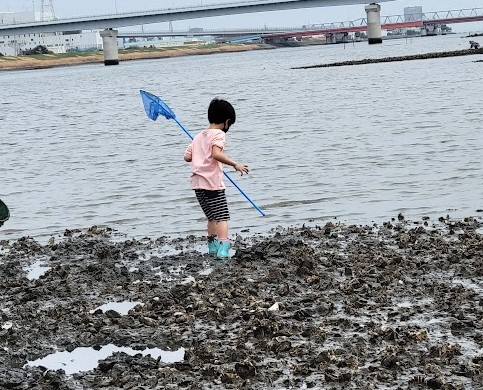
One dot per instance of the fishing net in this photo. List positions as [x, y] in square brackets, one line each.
[154, 107]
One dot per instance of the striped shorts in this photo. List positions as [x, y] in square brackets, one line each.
[213, 204]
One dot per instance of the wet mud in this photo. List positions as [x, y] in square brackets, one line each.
[394, 306]
[426, 56]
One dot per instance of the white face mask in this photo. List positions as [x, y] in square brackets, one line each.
[226, 125]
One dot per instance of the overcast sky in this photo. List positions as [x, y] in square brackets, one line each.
[72, 8]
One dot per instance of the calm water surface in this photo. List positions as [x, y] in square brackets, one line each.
[359, 143]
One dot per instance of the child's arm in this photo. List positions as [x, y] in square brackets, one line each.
[188, 154]
[218, 155]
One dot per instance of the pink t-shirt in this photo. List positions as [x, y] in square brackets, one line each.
[207, 173]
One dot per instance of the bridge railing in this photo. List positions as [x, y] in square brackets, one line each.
[395, 19]
[142, 13]
[391, 19]
[452, 14]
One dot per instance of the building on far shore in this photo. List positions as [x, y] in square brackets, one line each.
[161, 42]
[61, 42]
[413, 14]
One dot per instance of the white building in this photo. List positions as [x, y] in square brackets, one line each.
[412, 14]
[63, 42]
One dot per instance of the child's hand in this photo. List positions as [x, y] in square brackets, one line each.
[241, 168]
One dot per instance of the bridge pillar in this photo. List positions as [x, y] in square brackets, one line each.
[433, 29]
[374, 31]
[330, 38]
[109, 43]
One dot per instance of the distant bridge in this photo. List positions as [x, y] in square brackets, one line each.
[428, 20]
[115, 21]
[389, 23]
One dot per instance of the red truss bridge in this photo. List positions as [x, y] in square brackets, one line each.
[428, 20]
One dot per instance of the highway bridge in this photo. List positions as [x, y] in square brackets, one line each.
[116, 21]
[110, 23]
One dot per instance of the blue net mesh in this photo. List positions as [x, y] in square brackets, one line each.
[154, 106]
[4, 213]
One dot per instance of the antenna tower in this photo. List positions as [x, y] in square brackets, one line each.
[47, 10]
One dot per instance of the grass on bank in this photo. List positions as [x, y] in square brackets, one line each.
[44, 57]
[35, 61]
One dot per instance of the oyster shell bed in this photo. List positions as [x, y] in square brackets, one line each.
[395, 306]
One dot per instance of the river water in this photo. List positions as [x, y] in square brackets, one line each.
[359, 144]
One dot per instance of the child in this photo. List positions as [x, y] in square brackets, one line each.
[206, 154]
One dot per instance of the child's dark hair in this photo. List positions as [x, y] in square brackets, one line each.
[220, 111]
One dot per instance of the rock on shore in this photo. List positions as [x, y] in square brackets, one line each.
[396, 306]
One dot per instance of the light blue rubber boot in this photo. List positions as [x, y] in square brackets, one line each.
[223, 250]
[213, 245]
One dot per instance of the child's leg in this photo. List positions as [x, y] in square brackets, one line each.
[222, 230]
[212, 228]
[222, 216]
[203, 197]
[224, 246]
[213, 243]
[215, 207]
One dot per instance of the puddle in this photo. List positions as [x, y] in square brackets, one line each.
[469, 348]
[7, 325]
[86, 359]
[171, 249]
[120, 307]
[404, 304]
[470, 285]
[36, 270]
[173, 273]
[188, 280]
[206, 272]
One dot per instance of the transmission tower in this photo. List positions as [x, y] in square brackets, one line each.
[47, 10]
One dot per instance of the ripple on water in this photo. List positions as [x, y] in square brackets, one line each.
[330, 152]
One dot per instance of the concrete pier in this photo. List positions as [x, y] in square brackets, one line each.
[374, 32]
[109, 42]
[434, 29]
[337, 38]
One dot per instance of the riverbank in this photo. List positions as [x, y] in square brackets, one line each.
[426, 56]
[54, 60]
[336, 306]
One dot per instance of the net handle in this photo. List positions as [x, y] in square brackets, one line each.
[160, 109]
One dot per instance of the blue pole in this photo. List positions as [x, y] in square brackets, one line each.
[226, 174]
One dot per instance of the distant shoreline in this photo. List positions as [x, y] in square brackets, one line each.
[44, 61]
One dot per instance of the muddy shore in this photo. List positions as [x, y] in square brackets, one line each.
[425, 56]
[394, 306]
[55, 60]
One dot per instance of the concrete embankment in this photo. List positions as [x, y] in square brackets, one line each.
[425, 56]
